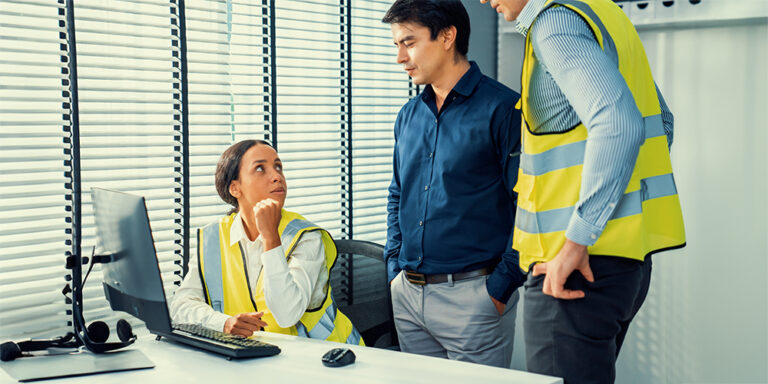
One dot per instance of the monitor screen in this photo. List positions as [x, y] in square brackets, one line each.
[132, 281]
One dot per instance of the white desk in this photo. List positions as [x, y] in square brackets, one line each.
[299, 362]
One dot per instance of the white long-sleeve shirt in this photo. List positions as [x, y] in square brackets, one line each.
[290, 287]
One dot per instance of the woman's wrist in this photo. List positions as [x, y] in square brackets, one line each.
[270, 241]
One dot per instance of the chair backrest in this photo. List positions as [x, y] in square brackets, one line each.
[361, 291]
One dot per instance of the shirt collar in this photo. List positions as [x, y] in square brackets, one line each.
[528, 15]
[237, 231]
[469, 81]
[464, 87]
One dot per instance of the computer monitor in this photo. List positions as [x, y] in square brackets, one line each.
[132, 280]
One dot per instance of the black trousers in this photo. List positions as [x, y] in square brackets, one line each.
[579, 340]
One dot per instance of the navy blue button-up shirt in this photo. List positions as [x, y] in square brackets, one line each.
[451, 207]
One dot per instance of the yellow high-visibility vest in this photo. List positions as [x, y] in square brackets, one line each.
[648, 217]
[227, 288]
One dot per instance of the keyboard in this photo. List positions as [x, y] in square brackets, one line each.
[219, 342]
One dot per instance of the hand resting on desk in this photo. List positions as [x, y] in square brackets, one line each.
[244, 324]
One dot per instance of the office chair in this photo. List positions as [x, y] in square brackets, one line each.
[361, 291]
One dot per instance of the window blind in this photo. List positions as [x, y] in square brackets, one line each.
[32, 188]
[128, 116]
[380, 88]
[228, 55]
[311, 102]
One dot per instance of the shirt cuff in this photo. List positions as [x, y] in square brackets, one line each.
[393, 268]
[501, 287]
[582, 232]
[274, 261]
[216, 321]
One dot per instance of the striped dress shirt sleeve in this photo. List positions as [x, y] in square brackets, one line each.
[590, 82]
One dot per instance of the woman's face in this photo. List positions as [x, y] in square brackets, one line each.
[261, 177]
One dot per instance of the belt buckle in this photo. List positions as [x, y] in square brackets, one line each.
[416, 278]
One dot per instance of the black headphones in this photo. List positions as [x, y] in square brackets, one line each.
[94, 338]
[11, 350]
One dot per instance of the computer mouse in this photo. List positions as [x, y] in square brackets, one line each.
[338, 357]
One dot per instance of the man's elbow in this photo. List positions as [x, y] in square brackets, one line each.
[637, 135]
[635, 130]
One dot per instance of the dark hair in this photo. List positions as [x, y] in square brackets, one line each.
[228, 169]
[436, 15]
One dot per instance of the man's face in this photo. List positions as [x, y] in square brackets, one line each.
[510, 8]
[422, 58]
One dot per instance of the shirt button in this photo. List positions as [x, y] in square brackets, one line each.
[435, 121]
[426, 187]
[593, 236]
[421, 223]
[430, 154]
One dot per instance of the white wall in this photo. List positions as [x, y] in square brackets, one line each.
[483, 36]
[706, 316]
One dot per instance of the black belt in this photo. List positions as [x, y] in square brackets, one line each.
[422, 279]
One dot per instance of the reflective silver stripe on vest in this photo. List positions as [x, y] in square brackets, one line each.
[572, 154]
[294, 226]
[560, 157]
[301, 330]
[556, 220]
[608, 46]
[324, 326]
[354, 337]
[654, 126]
[212, 264]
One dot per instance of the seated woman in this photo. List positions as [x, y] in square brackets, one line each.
[261, 266]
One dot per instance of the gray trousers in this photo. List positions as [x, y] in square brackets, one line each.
[454, 320]
[579, 340]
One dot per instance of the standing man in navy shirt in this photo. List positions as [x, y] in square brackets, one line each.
[451, 210]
